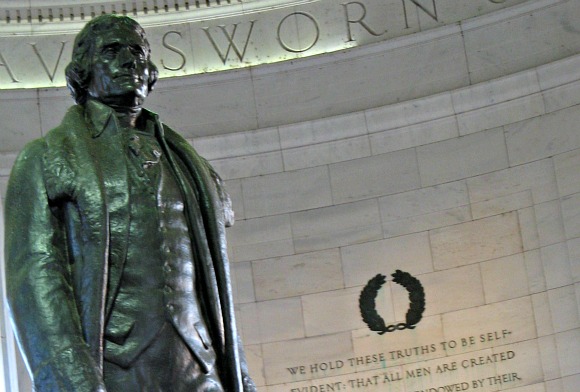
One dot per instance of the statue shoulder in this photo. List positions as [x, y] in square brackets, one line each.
[176, 139]
[30, 156]
[179, 144]
[193, 159]
[50, 160]
[72, 122]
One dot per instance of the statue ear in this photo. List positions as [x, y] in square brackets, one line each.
[153, 75]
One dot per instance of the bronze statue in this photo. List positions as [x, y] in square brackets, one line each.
[118, 275]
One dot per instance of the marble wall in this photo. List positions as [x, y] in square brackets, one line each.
[474, 192]
[457, 161]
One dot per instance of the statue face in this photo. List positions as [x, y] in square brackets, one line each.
[119, 72]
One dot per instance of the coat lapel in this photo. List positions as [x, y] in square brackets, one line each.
[109, 154]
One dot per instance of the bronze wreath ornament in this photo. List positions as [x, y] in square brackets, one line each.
[368, 307]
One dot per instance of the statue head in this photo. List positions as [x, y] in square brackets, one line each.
[111, 59]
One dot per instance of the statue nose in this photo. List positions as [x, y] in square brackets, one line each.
[126, 58]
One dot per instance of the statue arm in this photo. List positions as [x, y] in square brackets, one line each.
[38, 283]
[229, 218]
[224, 216]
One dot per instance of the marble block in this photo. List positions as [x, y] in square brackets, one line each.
[571, 215]
[271, 321]
[542, 314]
[238, 144]
[415, 112]
[497, 49]
[242, 282]
[286, 192]
[335, 226]
[310, 353]
[466, 280]
[537, 176]
[463, 157]
[378, 175]
[475, 241]
[18, 129]
[261, 238]
[514, 202]
[574, 257]
[503, 278]
[504, 113]
[513, 320]
[326, 153]
[556, 263]
[495, 91]
[414, 135]
[423, 201]
[543, 136]
[6, 163]
[297, 275]
[320, 131]
[568, 344]
[324, 312]
[567, 167]
[564, 308]
[562, 97]
[409, 253]
[549, 357]
[249, 166]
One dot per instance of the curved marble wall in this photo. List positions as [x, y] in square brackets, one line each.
[453, 155]
[473, 191]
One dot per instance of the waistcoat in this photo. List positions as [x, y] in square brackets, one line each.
[158, 281]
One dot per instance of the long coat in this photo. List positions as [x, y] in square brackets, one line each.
[62, 282]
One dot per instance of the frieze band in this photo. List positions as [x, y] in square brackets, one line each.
[235, 40]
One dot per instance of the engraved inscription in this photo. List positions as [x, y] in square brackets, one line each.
[326, 26]
[44, 65]
[4, 63]
[432, 13]
[231, 43]
[298, 50]
[360, 20]
[415, 369]
[175, 50]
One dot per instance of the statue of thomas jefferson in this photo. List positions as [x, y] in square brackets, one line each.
[118, 276]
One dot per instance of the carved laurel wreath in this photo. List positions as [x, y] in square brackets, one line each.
[368, 308]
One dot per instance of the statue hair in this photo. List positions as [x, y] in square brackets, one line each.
[78, 71]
